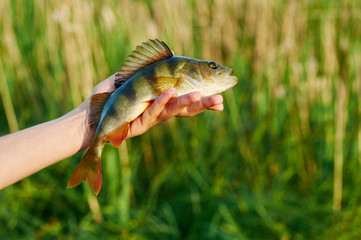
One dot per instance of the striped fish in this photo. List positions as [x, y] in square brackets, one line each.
[147, 73]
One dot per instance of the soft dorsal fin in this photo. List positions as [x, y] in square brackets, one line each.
[97, 103]
[144, 55]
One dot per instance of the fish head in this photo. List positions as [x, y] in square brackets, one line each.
[208, 77]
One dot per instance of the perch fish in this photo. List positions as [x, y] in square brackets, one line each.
[146, 74]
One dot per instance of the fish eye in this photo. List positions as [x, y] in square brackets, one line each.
[212, 65]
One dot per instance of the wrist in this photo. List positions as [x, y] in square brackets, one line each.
[77, 119]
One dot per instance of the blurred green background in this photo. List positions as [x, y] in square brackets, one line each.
[282, 161]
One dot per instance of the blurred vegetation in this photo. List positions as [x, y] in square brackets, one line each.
[282, 161]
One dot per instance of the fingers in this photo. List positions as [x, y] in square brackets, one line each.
[152, 113]
[214, 103]
[150, 116]
[218, 107]
[163, 109]
[179, 104]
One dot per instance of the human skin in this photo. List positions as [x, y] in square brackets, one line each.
[28, 151]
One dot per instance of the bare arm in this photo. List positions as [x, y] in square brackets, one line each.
[28, 151]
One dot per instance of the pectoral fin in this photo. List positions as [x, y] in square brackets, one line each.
[163, 83]
[118, 135]
[149, 102]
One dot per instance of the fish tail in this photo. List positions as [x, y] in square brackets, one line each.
[89, 169]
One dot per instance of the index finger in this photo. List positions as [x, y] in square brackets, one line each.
[151, 113]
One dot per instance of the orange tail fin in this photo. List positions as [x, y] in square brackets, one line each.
[89, 169]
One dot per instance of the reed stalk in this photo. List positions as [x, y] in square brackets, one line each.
[7, 102]
[341, 120]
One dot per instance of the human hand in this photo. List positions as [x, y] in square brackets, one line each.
[164, 109]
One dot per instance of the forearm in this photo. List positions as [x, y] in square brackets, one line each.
[28, 151]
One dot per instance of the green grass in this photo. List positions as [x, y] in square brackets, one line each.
[282, 161]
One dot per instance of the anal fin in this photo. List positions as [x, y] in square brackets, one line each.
[118, 135]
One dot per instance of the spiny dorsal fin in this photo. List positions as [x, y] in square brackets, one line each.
[97, 103]
[144, 55]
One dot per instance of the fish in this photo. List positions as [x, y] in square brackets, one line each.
[148, 71]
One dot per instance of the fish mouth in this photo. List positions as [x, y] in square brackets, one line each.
[230, 76]
[233, 80]
[229, 72]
